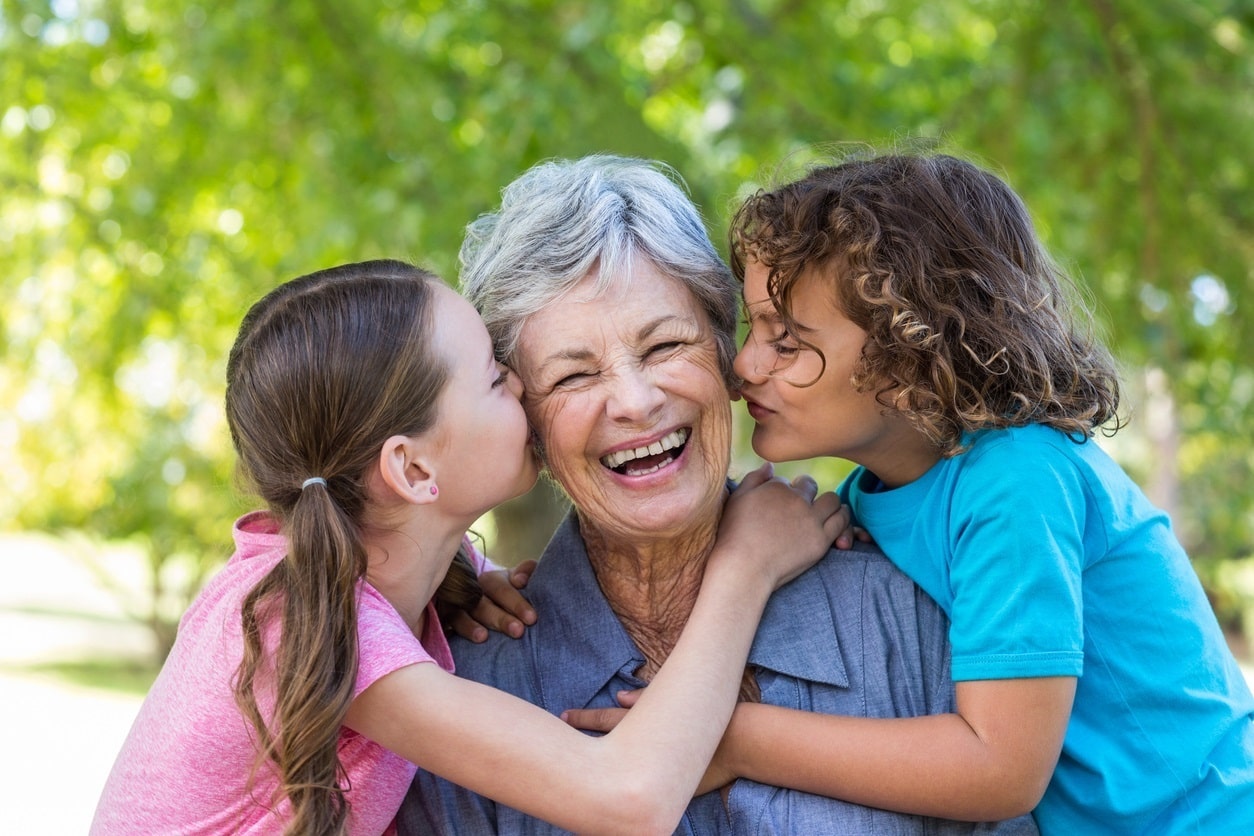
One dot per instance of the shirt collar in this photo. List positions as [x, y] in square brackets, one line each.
[797, 636]
[581, 645]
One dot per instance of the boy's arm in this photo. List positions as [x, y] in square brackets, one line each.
[990, 760]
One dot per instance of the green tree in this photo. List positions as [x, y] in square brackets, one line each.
[162, 165]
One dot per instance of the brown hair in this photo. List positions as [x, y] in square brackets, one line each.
[967, 318]
[326, 367]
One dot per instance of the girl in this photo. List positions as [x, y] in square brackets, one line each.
[904, 316]
[311, 674]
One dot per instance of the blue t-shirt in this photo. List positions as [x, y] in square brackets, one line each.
[1050, 561]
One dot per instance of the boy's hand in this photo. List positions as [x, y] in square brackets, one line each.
[502, 607]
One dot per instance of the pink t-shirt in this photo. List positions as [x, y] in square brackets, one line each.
[185, 764]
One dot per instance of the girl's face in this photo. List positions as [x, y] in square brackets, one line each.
[624, 391]
[482, 438]
[828, 417]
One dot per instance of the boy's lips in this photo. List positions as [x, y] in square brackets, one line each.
[753, 402]
[756, 410]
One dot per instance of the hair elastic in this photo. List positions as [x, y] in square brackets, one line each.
[311, 480]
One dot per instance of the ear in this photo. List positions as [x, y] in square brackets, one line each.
[406, 470]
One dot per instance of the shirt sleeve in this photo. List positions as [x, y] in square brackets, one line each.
[385, 642]
[1017, 536]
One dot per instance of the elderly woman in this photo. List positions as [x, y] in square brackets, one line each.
[599, 285]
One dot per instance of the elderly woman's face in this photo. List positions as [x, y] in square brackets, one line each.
[625, 392]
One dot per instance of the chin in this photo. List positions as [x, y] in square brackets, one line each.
[525, 481]
[667, 514]
[777, 453]
[764, 448]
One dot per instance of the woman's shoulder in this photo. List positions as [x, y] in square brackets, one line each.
[856, 601]
[860, 556]
[863, 571]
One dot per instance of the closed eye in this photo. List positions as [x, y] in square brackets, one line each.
[783, 346]
[571, 379]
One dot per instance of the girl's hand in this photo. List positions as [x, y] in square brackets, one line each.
[782, 528]
[502, 607]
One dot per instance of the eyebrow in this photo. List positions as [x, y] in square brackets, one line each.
[765, 311]
[582, 354]
[565, 354]
[649, 327]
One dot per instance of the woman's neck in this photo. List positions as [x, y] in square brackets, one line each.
[651, 586]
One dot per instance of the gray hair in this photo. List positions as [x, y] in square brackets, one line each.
[563, 219]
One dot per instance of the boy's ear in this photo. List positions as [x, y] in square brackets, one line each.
[406, 470]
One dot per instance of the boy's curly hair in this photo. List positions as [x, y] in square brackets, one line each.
[968, 321]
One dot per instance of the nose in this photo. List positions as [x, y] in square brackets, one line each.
[745, 365]
[634, 396]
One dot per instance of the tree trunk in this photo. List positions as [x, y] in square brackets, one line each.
[1163, 431]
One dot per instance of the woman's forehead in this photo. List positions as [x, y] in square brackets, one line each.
[640, 302]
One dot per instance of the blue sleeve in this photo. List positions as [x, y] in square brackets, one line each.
[1017, 540]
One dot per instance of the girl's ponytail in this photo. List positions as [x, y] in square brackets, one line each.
[311, 594]
[325, 368]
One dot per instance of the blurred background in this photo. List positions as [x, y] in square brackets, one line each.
[163, 164]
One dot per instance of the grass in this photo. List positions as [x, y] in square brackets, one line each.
[123, 675]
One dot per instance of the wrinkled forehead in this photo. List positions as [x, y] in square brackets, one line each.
[643, 287]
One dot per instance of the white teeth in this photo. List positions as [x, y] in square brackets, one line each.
[670, 442]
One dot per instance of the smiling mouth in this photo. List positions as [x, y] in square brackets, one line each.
[648, 459]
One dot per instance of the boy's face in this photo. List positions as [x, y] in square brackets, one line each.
[828, 417]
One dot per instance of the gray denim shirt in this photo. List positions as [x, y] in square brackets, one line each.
[852, 635]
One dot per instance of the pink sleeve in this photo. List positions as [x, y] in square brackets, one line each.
[385, 642]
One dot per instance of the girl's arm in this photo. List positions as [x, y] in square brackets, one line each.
[990, 760]
[641, 776]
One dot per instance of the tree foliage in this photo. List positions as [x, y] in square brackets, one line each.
[163, 164]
